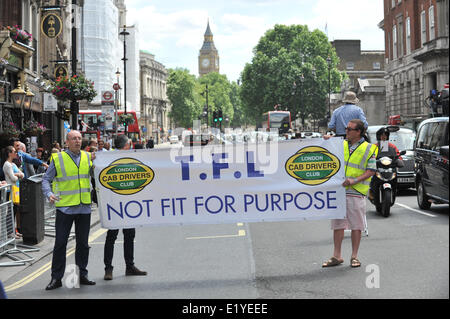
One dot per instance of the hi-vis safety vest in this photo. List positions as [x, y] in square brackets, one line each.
[356, 164]
[72, 182]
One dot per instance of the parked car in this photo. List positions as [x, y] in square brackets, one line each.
[431, 156]
[404, 140]
[173, 139]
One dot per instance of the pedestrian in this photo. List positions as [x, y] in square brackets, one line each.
[360, 166]
[69, 171]
[28, 168]
[24, 158]
[121, 143]
[101, 146]
[150, 143]
[343, 114]
[13, 176]
[39, 169]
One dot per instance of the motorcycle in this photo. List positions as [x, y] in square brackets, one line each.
[384, 183]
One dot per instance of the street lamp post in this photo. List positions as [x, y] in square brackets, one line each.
[206, 111]
[74, 106]
[125, 33]
[294, 90]
[116, 106]
[329, 87]
[18, 98]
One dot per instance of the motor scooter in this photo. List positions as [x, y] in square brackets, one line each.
[384, 183]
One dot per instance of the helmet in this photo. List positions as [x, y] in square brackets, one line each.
[382, 131]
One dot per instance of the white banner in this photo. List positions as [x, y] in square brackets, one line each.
[289, 180]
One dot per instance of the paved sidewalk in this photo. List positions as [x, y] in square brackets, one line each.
[45, 249]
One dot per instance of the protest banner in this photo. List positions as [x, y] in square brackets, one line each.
[273, 181]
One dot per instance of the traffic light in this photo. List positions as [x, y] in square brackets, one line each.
[220, 116]
[215, 116]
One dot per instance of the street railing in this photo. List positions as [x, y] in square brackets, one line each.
[8, 246]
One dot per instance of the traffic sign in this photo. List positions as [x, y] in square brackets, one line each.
[116, 86]
[107, 98]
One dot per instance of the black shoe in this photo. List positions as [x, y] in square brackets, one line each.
[54, 283]
[85, 281]
[108, 274]
[134, 271]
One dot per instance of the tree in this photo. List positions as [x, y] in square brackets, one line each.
[219, 90]
[180, 92]
[282, 56]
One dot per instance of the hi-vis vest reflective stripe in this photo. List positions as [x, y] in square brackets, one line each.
[356, 164]
[72, 182]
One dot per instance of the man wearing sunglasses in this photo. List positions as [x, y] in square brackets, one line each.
[360, 165]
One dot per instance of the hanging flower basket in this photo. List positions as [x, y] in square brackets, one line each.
[19, 35]
[10, 130]
[33, 128]
[73, 88]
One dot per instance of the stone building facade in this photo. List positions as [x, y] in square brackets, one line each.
[155, 105]
[416, 42]
[365, 70]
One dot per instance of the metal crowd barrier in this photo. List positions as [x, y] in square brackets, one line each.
[8, 246]
[50, 218]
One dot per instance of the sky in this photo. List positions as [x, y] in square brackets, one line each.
[173, 30]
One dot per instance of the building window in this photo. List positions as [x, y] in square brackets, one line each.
[423, 27]
[393, 3]
[376, 65]
[10, 12]
[394, 42]
[350, 65]
[408, 35]
[431, 21]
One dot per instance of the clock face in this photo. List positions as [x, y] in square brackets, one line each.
[205, 62]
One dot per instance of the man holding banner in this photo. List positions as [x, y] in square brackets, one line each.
[360, 166]
[122, 143]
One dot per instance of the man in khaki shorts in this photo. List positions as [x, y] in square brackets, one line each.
[360, 166]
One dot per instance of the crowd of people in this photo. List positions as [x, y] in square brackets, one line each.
[71, 170]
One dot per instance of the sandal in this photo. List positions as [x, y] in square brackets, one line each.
[354, 262]
[333, 261]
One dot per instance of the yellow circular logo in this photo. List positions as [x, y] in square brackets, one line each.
[312, 165]
[126, 176]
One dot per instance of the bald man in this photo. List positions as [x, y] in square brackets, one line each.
[71, 192]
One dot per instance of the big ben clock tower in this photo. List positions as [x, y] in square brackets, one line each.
[208, 58]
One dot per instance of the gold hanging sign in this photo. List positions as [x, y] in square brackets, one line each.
[60, 71]
[51, 25]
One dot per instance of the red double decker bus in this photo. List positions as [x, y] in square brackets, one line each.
[92, 124]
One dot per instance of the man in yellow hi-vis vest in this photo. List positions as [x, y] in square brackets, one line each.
[360, 166]
[71, 192]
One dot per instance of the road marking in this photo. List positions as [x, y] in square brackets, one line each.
[241, 233]
[415, 210]
[26, 280]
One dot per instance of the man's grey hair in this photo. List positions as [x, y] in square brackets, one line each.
[121, 141]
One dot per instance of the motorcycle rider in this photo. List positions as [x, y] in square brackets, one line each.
[383, 135]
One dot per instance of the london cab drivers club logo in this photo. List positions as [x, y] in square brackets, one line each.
[312, 165]
[126, 176]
